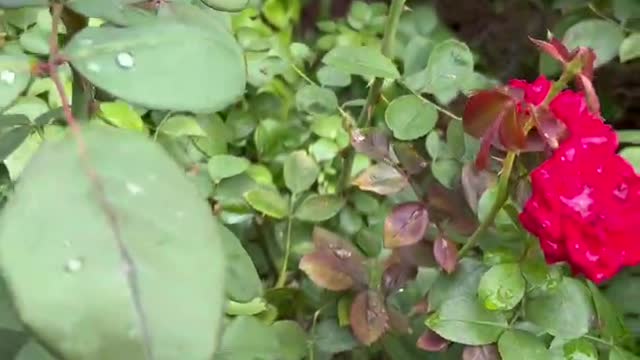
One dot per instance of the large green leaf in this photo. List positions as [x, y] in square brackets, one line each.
[8, 4]
[103, 273]
[14, 77]
[517, 344]
[246, 338]
[450, 65]
[146, 64]
[502, 287]
[603, 36]
[565, 311]
[300, 171]
[242, 280]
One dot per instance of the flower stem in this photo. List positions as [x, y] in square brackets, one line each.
[282, 278]
[501, 197]
[374, 91]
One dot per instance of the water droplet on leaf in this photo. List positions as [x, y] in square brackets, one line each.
[134, 189]
[73, 265]
[8, 77]
[125, 60]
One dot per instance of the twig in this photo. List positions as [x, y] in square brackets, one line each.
[364, 119]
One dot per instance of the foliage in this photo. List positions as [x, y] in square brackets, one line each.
[206, 179]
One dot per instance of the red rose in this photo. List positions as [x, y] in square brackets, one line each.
[585, 197]
[534, 93]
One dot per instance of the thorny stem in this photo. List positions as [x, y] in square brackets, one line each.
[501, 197]
[282, 278]
[374, 91]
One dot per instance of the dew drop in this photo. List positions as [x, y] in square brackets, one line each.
[8, 77]
[621, 191]
[73, 265]
[93, 67]
[125, 60]
[580, 203]
[134, 189]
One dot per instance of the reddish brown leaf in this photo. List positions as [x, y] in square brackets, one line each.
[405, 225]
[446, 254]
[555, 48]
[511, 134]
[398, 321]
[549, 128]
[432, 342]
[593, 102]
[419, 255]
[372, 142]
[396, 276]
[474, 183]
[323, 268]
[486, 352]
[449, 205]
[381, 179]
[482, 110]
[409, 158]
[369, 318]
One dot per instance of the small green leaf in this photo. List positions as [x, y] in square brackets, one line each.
[12, 139]
[565, 311]
[630, 48]
[464, 320]
[324, 149]
[300, 171]
[332, 339]
[314, 99]
[330, 76]
[447, 172]
[603, 36]
[462, 283]
[122, 115]
[15, 73]
[225, 166]
[317, 208]
[450, 65]
[242, 282]
[245, 337]
[517, 345]
[138, 64]
[502, 287]
[268, 201]
[361, 60]
[410, 118]
[182, 125]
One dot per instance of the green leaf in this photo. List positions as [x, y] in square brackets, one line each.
[565, 311]
[610, 320]
[8, 317]
[314, 99]
[632, 155]
[621, 354]
[502, 287]
[293, 339]
[381, 179]
[9, 4]
[324, 149]
[242, 280]
[580, 349]
[450, 65]
[300, 171]
[603, 36]
[227, 5]
[119, 12]
[33, 351]
[35, 41]
[225, 166]
[630, 48]
[332, 339]
[122, 115]
[626, 9]
[317, 208]
[12, 342]
[110, 277]
[328, 126]
[464, 320]
[330, 76]
[15, 73]
[447, 172]
[410, 118]
[462, 283]
[517, 345]
[147, 63]
[11, 140]
[361, 60]
[456, 139]
[245, 337]
[182, 125]
[268, 201]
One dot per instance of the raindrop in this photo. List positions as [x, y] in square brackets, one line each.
[73, 265]
[134, 189]
[8, 77]
[93, 67]
[125, 60]
[621, 191]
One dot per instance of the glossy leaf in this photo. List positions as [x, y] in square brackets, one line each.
[138, 65]
[268, 202]
[450, 65]
[565, 311]
[502, 287]
[122, 115]
[361, 60]
[405, 225]
[517, 344]
[409, 117]
[381, 179]
[300, 171]
[182, 125]
[317, 208]
[464, 320]
[225, 166]
[242, 280]
[113, 294]
[369, 318]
